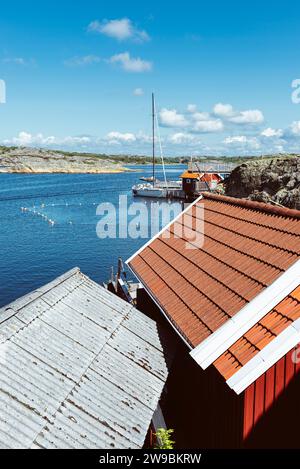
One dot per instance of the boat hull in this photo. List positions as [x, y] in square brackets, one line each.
[154, 193]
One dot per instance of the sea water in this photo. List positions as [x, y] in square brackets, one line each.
[49, 221]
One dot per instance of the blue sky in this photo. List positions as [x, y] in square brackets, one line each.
[79, 75]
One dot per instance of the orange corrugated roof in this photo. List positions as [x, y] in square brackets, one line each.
[188, 175]
[246, 246]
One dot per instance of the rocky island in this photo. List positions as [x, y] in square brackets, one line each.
[33, 160]
[270, 180]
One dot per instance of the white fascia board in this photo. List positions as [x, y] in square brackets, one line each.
[163, 229]
[266, 358]
[221, 340]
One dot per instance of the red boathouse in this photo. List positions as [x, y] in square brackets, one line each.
[225, 276]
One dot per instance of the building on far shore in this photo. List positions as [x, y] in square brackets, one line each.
[232, 299]
[194, 182]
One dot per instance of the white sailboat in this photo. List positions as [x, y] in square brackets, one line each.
[155, 189]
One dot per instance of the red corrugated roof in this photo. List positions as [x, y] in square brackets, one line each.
[247, 245]
[201, 176]
[188, 175]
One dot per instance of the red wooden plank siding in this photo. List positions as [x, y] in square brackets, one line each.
[279, 377]
[297, 358]
[261, 395]
[248, 409]
[270, 388]
[290, 368]
[259, 398]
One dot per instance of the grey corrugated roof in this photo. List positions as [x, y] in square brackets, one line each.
[79, 368]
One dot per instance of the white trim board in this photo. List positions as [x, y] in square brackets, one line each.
[221, 340]
[266, 358]
[163, 229]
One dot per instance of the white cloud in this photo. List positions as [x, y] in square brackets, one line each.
[120, 29]
[27, 139]
[237, 139]
[192, 108]
[130, 64]
[171, 118]
[223, 110]
[180, 138]
[118, 137]
[201, 116]
[295, 128]
[227, 112]
[15, 60]
[207, 126]
[270, 133]
[205, 122]
[242, 141]
[18, 61]
[82, 141]
[85, 60]
[252, 116]
[138, 92]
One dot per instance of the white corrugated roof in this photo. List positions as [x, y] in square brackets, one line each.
[79, 368]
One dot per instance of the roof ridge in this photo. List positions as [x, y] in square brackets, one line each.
[34, 295]
[261, 206]
[260, 224]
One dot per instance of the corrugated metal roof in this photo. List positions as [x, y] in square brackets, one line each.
[79, 368]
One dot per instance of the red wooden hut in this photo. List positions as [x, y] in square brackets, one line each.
[226, 277]
[195, 182]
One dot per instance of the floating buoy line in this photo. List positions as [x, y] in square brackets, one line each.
[38, 214]
[35, 210]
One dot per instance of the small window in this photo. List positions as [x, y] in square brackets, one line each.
[188, 181]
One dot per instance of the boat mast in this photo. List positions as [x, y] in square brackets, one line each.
[153, 139]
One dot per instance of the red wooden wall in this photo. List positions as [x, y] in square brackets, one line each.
[267, 391]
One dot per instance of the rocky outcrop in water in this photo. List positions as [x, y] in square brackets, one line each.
[33, 160]
[267, 180]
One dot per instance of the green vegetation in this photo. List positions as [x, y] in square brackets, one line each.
[163, 437]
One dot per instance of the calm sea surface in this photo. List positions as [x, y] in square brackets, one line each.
[34, 252]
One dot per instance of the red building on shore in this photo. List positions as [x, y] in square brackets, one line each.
[194, 182]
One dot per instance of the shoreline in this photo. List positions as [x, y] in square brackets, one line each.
[100, 171]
